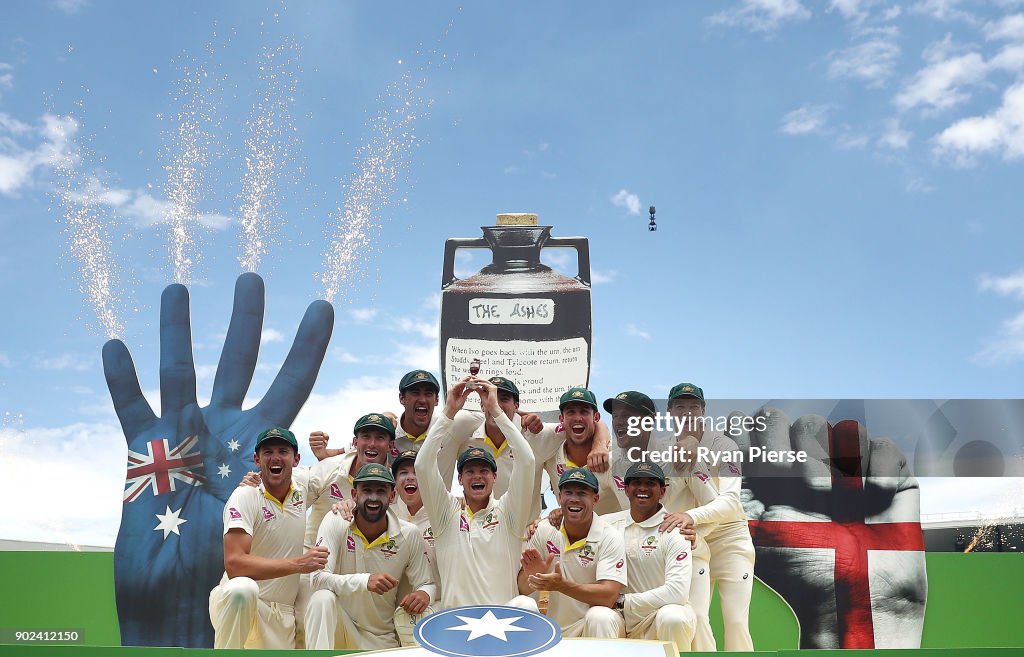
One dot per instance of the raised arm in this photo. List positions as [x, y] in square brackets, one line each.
[436, 498]
[519, 499]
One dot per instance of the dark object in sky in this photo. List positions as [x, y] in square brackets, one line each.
[652, 226]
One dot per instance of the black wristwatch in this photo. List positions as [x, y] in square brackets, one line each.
[620, 601]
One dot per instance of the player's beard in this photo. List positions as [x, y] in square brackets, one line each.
[372, 516]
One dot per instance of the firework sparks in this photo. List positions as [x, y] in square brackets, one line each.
[1008, 513]
[380, 163]
[189, 142]
[88, 228]
[271, 140]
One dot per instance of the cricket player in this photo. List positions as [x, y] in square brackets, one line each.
[254, 604]
[717, 514]
[356, 596]
[655, 604]
[579, 439]
[330, 480]
[589, 563]
[625, 408]
[403, 467]
[477, 547]
[489, 436]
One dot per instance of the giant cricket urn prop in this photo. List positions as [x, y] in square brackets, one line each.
[520, 318]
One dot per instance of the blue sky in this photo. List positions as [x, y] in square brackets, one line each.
[834, 184]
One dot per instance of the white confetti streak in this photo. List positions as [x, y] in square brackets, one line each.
[88, 228]
[189, 142]
[271, 140]
[379, 163]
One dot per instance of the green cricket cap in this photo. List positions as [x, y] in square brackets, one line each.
[578, 394]
[501, 383]
[276, 433]
[374, 472]
[418, 376]
[637, 400]
[378, 420]
[686, 390]
[476, 454]
[408, 455]
[642, 469]
[579, 476]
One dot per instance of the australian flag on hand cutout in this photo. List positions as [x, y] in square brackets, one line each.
[486, 631]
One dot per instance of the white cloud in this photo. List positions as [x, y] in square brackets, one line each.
[1002, 132]
[336, 412]
[62, 362]
[805, 120]
[892, 13]
[872, 61]
[271, 335]
[58, 451]
[363, 315]
[851, 10]
[761, 15]
[943, 10]
[147, 210]
[1009, 28]
[894, 137]
[511, 169]
[1006, 286]
[346, 357]
[6, 77]
[19, 162]
[561, 260]
[1008, 344]
[69, 7]
[599, 277]
[635, 331]
[848, 139]
[626, 199]
[427, 329]
[939, 85]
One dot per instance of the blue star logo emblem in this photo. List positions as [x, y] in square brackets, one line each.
[486, 631]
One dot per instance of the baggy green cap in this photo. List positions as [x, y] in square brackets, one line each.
[418, 376]
[374, 472]
[637, 400]
[577, 394]
[378, 420]
[579, 476]
[686, 390]
[277, 433]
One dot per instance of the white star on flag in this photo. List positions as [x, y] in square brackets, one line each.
[169, 522]
[233, 445]
[488, 625]
[223, 470]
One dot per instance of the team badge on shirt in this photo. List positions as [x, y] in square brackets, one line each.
[649, 545]
[389, 549]
[428, 535]
[490, 521]
[586, 555]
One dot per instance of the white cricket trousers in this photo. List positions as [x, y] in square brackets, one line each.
[598, 623]
[675, 623]
[242, 620]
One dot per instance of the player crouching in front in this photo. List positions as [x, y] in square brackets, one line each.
[589, 563]
[656, 602]
[254, 604]
[355, 602]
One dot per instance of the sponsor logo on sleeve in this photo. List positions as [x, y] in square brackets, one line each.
[350, 543]
[234, 514]
[336, 492]
[619, 483]
[552, 548]
[682, 556]
[268, 514]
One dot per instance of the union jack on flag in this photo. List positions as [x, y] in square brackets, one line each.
[161, 466]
